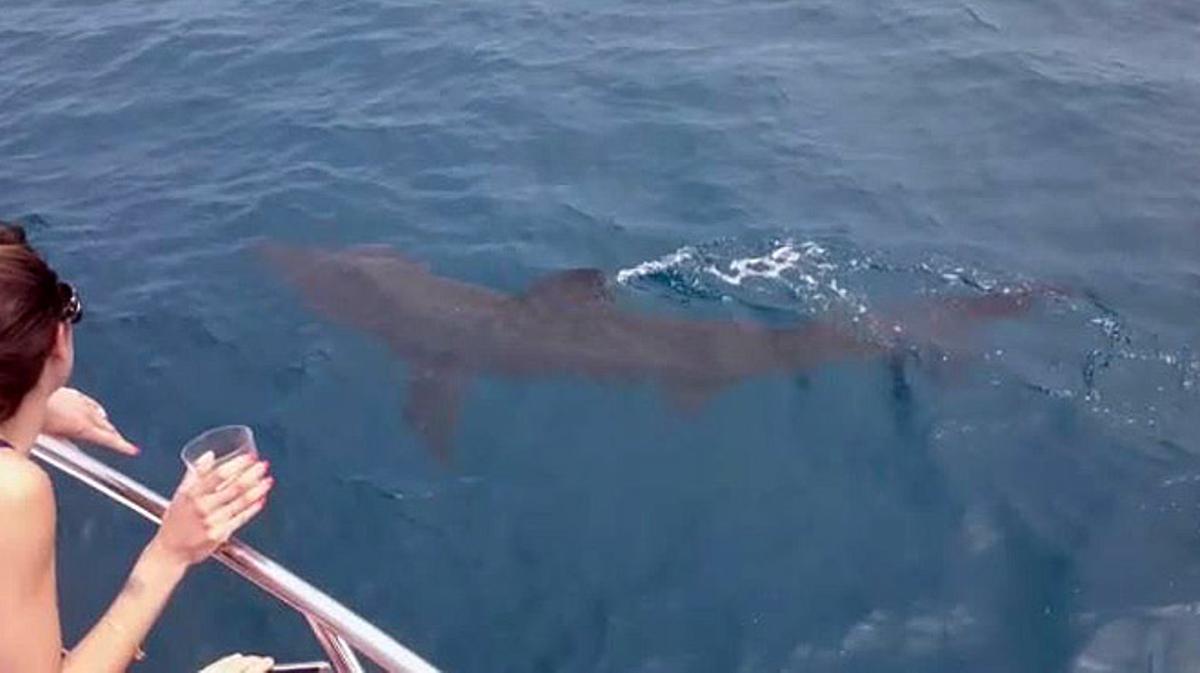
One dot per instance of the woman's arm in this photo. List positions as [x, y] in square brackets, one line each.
[206, 510]
[113, 643]
[29, 631]
[71, 414]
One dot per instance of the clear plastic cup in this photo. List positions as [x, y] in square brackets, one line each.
[224, 443]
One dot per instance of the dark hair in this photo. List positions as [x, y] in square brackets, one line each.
[31, 306]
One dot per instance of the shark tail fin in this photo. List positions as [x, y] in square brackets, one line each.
[947, 321]
[937, 333]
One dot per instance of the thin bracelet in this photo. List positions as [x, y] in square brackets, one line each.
[137, 656]
[138, 653]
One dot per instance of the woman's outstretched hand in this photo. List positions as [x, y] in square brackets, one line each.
[210, 505]
[73, 415]
[237, 663]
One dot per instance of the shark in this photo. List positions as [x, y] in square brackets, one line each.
[567, 323]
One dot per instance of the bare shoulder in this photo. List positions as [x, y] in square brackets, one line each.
[24, 486]
[28, 516]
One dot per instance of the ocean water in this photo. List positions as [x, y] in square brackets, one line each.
[1025, 498]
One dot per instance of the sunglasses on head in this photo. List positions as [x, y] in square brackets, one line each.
[72, 305]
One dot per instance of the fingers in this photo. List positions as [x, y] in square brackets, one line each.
[238, 663]
[241, 486]
[251, 665]
[225, 521]
[241, 519]
[258, 665]
[195, 473]
[236, 490]
[222, 664]
[214, 479]
[93, 405]
[103, 432]
[75, 415]
[203, 479]
[210, 487]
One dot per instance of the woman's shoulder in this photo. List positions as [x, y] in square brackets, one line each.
[24, 485]
[27, 510]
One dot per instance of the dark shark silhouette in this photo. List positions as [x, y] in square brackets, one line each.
[564, 324]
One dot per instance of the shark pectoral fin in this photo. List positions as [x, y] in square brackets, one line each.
[435, 395]
[691, 396]
[570, 287]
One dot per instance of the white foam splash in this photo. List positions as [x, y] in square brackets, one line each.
[1128, 378]
[654, 266]
[787, 256]
[771, 265]
[911, 635]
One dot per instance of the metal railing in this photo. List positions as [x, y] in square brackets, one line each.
[339, 630]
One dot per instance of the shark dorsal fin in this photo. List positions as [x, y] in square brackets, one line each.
[381, 251]
[573, 287]
[381, 261]
[373, 250]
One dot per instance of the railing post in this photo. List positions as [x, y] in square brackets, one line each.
[340, 654]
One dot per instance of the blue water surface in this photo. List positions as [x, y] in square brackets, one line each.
[1023, 499]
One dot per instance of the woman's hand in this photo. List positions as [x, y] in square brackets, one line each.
[210, 505]
[237, 663]
[73, 415]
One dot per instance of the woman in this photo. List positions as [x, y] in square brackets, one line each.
[36, 356]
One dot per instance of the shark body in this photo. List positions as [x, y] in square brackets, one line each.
[565, 324]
